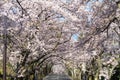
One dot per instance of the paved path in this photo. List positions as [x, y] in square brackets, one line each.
[57, 77]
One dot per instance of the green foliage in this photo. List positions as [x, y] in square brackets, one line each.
[73, 72]
[116, 73]
[10, 71]
[42, 71]
[119, 5]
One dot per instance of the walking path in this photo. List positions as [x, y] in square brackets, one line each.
[57, 77]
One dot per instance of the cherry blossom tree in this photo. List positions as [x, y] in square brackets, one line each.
[72, 33]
